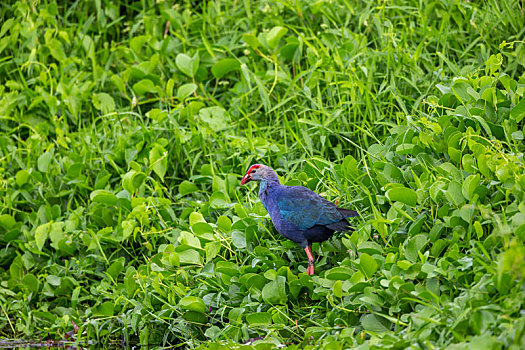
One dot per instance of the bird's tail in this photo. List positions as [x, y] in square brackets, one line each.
[347, 212]
[340, 226]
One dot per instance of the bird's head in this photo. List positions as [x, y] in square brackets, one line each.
[259, 172]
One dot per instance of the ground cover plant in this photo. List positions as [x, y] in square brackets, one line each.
[125, 128]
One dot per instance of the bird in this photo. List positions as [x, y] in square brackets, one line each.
[298, 213]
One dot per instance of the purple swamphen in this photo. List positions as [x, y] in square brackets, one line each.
[298, 213]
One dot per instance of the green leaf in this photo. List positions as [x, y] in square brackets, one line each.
[339, 273]
[195, 317]
[16, 269]
[403, 195]
[467, 212]
[213, 332]
[104, 102]
[405, 148]
[235, 315]
[369, 247]
[504, 171]
[239, 239]
[103, 196]
[212, 249]
[189, 257]
[169, 88]
[224, 223]
[174, 259]
[187, 65]
[196, 217]
[119, 83]
[138, 42]
[470, 185]
[53, 280]
[414, 245]
[478, 229]
[436, 190]
[185, 91]
[274, 292]
[200, 228]
[251, 40]
[259, 319]
[128, 226]
[224, 67]
[158, 160]
[518, 111]
[157, 114]
[22, 177]
[130, 282]
[104, 310]
[375, 323]
[132, 180]
[493, 63]
[219, 200]
[144, 86]
[28, 260]
[187, 187]
[216, 118]
[188, 239]
[415, 227]
[41, 234]
[7, 221]
[291, 49]
[392, 173]
[240, 210]
[518, 135]
[227, 268]
[274, 36]
[44, 160]
[192, 303]
[31, 283]
[444, 89]
[350, 167]
[56, 49]
[337, 289]
[448, 169]
[454, 194]
[460, 90]
[56, 234]
[116, 268]
[368, 264]
[469, 163]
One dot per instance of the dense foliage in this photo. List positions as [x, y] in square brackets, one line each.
[125, 128]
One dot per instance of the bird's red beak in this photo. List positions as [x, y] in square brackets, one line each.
[246, 178]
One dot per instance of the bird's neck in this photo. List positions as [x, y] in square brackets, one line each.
[265, 189]
[266, 184]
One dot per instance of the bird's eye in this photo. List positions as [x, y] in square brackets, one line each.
[251, 172]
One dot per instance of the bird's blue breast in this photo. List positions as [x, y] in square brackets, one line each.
[269, 194]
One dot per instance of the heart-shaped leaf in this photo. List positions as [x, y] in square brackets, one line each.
[224, 67]
[187, 65]
[403, 195]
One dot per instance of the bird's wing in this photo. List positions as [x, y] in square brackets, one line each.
[305, 208]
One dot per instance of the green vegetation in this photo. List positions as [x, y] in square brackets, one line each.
[125, 128]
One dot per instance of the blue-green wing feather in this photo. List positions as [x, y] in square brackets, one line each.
[305, 208]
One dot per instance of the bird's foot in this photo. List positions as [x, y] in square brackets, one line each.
[310, 269]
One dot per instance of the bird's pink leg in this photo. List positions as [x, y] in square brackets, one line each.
[310, 269]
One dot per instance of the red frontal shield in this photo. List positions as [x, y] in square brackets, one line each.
[247, 177]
